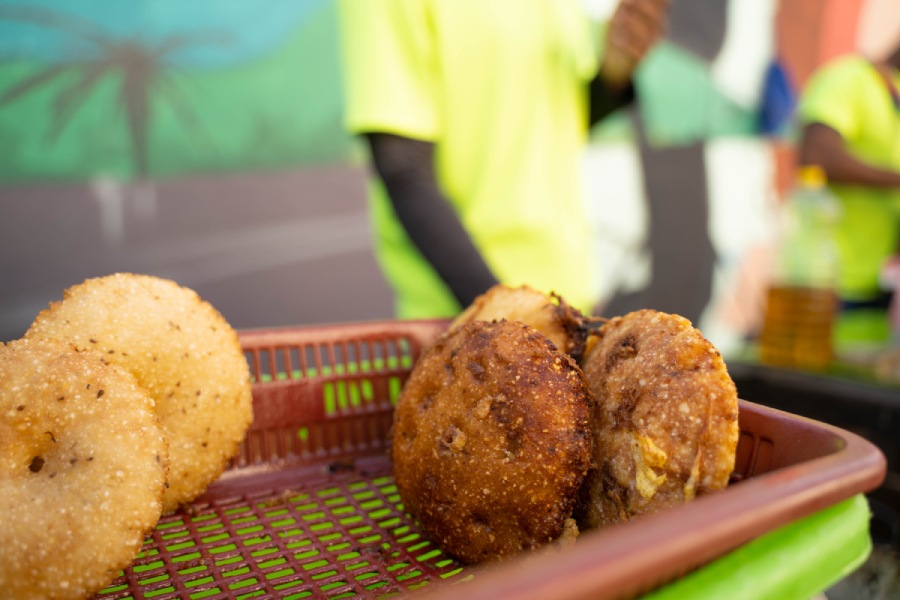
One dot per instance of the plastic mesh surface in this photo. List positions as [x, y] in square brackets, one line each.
[338, 532]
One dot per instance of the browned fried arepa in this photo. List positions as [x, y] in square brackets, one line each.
[491, 441]
[550, 314]
[666, 420]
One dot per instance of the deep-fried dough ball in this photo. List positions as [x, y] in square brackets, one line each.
[549, 314]
[82, 470]
[181, 350]
[666, 422]
[491, 440]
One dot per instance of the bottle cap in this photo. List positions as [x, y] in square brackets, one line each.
[811, 176]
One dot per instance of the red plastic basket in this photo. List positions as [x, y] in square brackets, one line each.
[309, 510]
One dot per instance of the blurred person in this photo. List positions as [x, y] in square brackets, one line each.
[672, 129]
[476, 114]
[850, 112]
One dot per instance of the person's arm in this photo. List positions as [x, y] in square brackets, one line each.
[823, 146]
[636, 25]
[605, 99]
[406, 167]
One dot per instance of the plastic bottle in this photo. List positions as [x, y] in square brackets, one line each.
[802, 304]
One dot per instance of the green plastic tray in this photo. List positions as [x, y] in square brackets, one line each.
[794, 562]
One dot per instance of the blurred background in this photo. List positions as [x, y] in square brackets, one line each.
[204, 142]
[201, 142]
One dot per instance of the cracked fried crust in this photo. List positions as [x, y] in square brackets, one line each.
[666, 420]
[491, 440]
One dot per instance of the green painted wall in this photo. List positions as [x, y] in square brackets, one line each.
[282, 109]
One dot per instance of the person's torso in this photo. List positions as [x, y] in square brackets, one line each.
[512, 96]
[865, 114]
[877, 140]
[514, 104]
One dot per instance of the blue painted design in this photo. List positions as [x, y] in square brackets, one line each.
[243, 30]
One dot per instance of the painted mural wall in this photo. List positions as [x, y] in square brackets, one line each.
[162, 89]
[202, 141]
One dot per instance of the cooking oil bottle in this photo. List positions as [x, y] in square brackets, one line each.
[802, 303]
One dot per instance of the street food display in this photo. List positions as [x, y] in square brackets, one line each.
[518, 428]
[502, 441]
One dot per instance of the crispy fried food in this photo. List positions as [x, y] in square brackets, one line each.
[491, 440]
[181, 350]
[82, 470]
[564, 325]
[666, 421]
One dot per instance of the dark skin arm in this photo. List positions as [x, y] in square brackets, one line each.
[406, 166]
[603, 99]
[824, 146]
[636, 25]
[821, 145]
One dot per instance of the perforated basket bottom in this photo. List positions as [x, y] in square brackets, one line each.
[334, 531]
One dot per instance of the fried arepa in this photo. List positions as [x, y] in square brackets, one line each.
[82, 470]
[491, 441]
[564, 325]
[666, 418]
[181, 350]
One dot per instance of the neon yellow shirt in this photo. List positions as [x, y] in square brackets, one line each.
[500, 87]
[850, 96]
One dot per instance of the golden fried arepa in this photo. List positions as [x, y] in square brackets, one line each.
[181, 350]
[82, 470]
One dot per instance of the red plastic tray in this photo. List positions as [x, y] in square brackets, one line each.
[309, 510]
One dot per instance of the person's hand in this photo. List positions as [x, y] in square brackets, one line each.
[636, 25]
